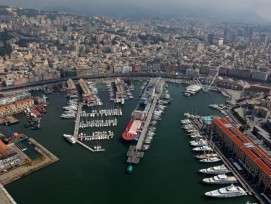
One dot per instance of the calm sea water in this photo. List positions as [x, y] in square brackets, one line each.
[166, 174]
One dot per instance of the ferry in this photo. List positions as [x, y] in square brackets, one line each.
[215, 170]
[227, 192]
[220, 179]
[70, 138]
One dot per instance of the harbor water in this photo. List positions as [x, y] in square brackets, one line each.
[168, 173]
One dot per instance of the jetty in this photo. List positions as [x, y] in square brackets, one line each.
[120, 92]
[89, 148]
[5, 197]
[148, 119]
[135, 152]
[77, 121]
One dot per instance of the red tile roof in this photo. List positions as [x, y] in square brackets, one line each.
[257, 155]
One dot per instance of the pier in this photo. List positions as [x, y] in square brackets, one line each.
[5, 197]
[228, 164]
[135, 153]
[120, 93]
[30, 166]
[89, 148]
[77, 121]
[148, 119]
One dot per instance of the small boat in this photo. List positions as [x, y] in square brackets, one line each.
[130, 169]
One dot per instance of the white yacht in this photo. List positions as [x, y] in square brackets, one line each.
[70, 138]
[215, 170]
[186, 121]
[214, 106]
[210, 160]
[202, 148]
[205, 156]
[68, 115]
[70, 107]
[191, 90]
[220, 179]
[227, 192]
[198, 143]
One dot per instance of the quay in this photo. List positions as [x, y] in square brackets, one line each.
[5, 197]
[227, 163]
[46, 159]
[233, 170]
[77, 121]
[120, 93]
[135, 153]
[149, 117]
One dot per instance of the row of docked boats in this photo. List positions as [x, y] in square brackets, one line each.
[125, 95]
[97, 101]
[103, 112]
[159, 109]
[99, 123]
[98, 135]
[110, 90]
[70, 109]
[219, 172]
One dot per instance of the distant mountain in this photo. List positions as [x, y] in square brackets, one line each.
[117, 10]
[137, 11]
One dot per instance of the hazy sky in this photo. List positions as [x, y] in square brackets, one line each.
[259, 7]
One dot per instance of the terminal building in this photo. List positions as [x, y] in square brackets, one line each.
[87, 95]
[71, 89]
[251, 157]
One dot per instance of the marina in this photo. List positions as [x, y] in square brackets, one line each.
[91, 172]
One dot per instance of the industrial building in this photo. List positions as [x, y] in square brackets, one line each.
[16, 107]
